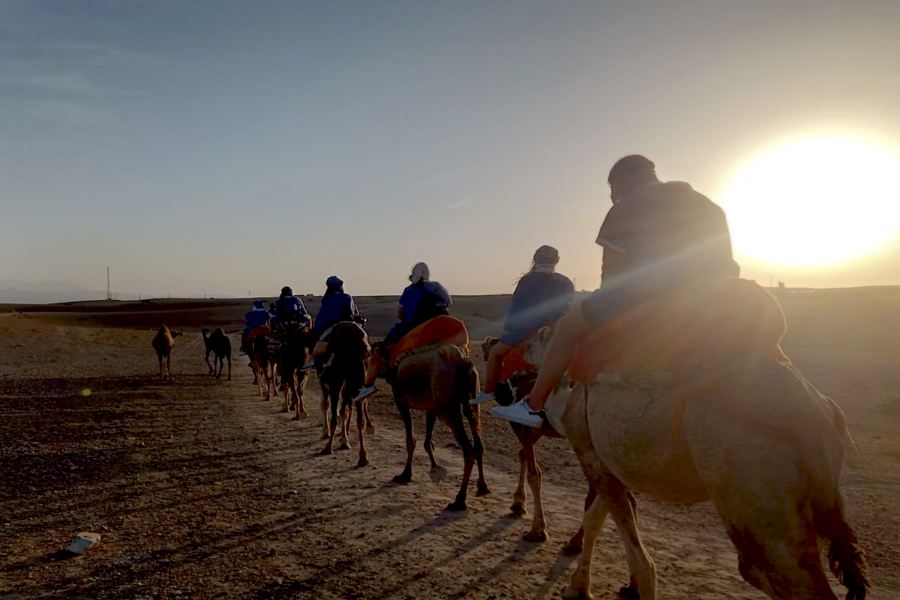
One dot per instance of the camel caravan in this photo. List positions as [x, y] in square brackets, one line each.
[669, 381]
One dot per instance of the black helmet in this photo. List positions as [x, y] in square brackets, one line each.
[287, 291]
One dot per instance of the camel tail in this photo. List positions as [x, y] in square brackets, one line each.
[844, 554]
[466, 386]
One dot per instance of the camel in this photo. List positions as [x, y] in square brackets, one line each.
[258, 351]
[441, 380]
[342, 371]
[508, 392]
[163, 343]
[293, 352]
[220, 346]
[743, 429]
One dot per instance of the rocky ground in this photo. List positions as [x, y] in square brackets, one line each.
[201, 490]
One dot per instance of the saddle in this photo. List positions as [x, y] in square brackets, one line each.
[434, 332]
[258, 331]
[697, 324]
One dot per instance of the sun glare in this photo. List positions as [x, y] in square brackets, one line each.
[816, 201]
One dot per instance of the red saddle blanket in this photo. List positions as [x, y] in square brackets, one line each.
[434, 331]
[700, 323]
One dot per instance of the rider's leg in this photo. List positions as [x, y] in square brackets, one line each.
[495, 365]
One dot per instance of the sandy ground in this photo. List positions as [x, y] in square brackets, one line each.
[201, 490]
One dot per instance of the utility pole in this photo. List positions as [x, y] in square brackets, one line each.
[108, 295]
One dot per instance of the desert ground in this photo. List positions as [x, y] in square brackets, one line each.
[201, 490]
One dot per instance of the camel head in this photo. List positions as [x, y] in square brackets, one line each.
[537, 346]
[204, 332]
[488, 344]
[176, 334]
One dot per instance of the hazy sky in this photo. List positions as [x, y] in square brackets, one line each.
[234, 146]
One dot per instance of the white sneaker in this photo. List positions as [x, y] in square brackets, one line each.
[519, 413]
[483, 397]
[308, 366]
[242, 353]
[367, 391]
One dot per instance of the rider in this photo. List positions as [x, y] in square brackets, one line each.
[421, 301]
[541, 298]
[656, 237]
[337, 307]
[290, 309]
[258, 317]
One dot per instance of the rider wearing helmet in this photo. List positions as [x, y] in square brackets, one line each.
[421, 301]
[337, 307]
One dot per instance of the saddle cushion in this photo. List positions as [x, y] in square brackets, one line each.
[515, 362]
[441, 329]
[258, 331]
[696, 324]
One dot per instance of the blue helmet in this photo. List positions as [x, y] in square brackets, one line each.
[334, 282]
[258, 304]
[287, 291]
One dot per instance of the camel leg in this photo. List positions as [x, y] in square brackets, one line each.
[370, 429]
[360, 427]
[288, 404]
[577, 542]
[579, 587]
[406, 475]
[518, 505]
[538, 531]
[455, 421]
[169, 367]
[430, 419]
[473, 416]
[325, 405]
[211, 369]
[229, 367]
[160, 368]
[346, 417]
[333, 423]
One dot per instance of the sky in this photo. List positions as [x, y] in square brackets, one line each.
[236, 147]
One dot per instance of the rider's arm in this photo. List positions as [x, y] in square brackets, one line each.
[557, 356]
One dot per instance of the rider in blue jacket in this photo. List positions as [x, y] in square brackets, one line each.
[337, 307]
[289, 308]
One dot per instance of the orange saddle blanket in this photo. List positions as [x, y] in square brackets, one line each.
[515, 362]
[434, 331]
[696, 324]
[258, 331]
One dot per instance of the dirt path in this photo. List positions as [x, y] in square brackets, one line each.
[201, 490]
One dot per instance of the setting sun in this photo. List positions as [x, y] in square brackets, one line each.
[815, 201]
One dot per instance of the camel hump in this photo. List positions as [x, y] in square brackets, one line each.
[695, 324]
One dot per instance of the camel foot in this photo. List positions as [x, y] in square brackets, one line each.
[326, 452]
[572, 594]
[438, 474]
[284, 410]
[518, 510]
[482, 491]
[535, 536]
[302, 415]
[344, 446]
[573, 547]
[403, 478]
[457, 506]
[363, 462]
[370, 429]
[295, 418]
[630, 593]
[325, 436]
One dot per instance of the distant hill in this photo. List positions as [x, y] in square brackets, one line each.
[15, 291]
